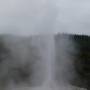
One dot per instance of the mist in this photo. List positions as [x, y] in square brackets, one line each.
[38, 62]
[38, 56]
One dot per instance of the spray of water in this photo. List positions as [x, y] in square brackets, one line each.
[50, 66]
[49, 48]
[49, 61]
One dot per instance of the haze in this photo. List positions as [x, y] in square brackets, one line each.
[26, 17]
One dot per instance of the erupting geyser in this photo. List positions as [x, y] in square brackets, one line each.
[49, 59]
[47, 47]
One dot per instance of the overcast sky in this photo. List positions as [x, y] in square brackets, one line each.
[27, 17]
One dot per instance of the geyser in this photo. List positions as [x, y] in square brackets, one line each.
[46, 44]
[53, 49]
[49, 58]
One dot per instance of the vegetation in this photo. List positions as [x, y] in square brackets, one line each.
[4, 57]
[82, 61]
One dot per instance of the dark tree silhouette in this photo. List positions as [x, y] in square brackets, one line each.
[4, 51]
[82, 61]
[4, 57]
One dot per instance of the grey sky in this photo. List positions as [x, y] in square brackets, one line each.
[44, 16]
